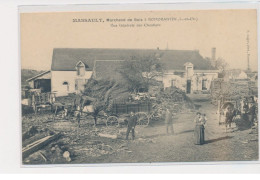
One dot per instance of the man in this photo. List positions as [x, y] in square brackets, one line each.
[168, 121]
[132, 121]
[251, 113]
[229, 117]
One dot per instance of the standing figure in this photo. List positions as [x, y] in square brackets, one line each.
[251, 113]
[199, 129]
[203, 119]
[132, 121]
[229, 117]
[168, 121]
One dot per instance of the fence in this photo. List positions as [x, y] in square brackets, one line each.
[127, 107]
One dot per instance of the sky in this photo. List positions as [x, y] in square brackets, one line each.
[232, 32]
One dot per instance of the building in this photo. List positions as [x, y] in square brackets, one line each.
[41, 81]
[189, 79]
[71, 68]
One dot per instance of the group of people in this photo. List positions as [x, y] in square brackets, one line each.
[248, 109]
[200, 121]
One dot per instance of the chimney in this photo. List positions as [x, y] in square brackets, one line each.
[213, 54]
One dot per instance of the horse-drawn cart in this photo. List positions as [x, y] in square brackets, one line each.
[121, 111]
[42, 101]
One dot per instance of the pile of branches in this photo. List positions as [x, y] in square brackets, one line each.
[105, 92]
[176, 96]
[231, 89]
[174, 99]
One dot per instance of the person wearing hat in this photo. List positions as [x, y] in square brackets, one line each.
[199, 129]
[132, 121]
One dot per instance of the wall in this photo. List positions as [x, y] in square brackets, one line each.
[179, 82]
[199, 77]
[196, 80]
[59, 77]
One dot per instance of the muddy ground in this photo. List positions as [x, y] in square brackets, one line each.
[152, 144]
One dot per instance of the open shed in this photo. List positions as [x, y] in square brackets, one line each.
[41, 81]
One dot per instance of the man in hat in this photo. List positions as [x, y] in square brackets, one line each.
[132, 121]
[251, 113]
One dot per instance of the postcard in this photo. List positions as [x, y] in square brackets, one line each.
[144, 86]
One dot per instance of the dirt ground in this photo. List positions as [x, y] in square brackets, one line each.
[152, 144]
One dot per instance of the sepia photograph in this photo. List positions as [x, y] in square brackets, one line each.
[157, 86]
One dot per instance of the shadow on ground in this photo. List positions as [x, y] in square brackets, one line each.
[187, 131]
[218, 139]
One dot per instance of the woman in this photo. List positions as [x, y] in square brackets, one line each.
[199, 128]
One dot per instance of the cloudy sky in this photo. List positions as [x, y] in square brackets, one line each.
[232, 32]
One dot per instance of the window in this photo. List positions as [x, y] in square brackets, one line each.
[173, 83]
[204, 84]
[80, 69]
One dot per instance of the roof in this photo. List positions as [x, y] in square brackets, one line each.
[65, 59]
[108, 69]
[39, 75]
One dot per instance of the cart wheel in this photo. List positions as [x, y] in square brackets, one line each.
[112, 121]
[142, 119]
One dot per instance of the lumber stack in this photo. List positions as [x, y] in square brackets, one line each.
[39, 144]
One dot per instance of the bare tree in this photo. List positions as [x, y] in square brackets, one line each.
[221, 64]
[140, 72]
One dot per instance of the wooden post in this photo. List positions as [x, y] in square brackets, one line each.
[218, 112]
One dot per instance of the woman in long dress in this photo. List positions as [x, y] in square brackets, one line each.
[200, 121]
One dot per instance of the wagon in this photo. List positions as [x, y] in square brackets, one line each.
[118, 114]
[121, 111]
[42, 101]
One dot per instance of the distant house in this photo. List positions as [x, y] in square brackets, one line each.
[72, 67]
[235, 74]
[189, 71]
[189, 79]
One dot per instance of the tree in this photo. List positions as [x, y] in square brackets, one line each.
[99, 91]
[221, 64]
[140, 72]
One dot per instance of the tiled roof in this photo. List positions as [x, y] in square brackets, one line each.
[65, 59]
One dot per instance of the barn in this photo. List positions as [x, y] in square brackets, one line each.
[71, 68]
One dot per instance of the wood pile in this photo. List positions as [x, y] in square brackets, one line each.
[233, 90]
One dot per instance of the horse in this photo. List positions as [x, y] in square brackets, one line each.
[228, 113]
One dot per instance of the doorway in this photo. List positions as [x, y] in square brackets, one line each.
[188, 89]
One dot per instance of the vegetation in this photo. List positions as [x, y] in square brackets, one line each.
[140, 72]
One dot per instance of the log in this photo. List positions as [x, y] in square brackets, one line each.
[39, 144]
[111, 136]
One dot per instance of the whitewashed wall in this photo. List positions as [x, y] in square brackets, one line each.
[197, 84]
[59, 77]
[179, 81]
